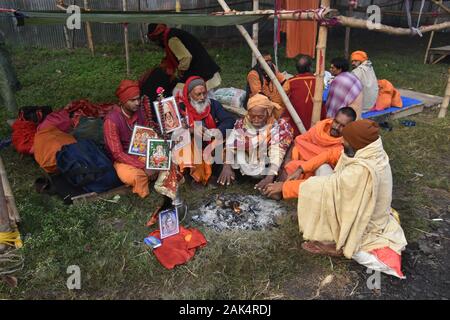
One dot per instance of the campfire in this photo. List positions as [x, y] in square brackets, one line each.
[238, 212]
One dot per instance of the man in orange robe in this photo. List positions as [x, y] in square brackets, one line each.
[315, 153]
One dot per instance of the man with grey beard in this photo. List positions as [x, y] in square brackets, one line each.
[196, 106]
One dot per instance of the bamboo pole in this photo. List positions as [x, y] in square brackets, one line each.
[89, 31]
[344, 21]
[269, 72]
[10, 201]
[320, 68]
[125, 35]
[347, 35]
[441, 5]
[255, 31]
[431, 39]
[141, 26]
[445, 102]
[5, 225]
[282, 14]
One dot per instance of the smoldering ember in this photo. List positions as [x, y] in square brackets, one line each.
[238, 212]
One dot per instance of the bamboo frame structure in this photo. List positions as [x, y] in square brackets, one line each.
[445, 102]
[431, 38]
[347, 35]
[441, 5]
[269, 72]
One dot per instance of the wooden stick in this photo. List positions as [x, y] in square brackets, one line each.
[9, 196]
[89, 31]
[344, 21]
[125, 33]
[441, 5]
[347, 35]
[269, 72]
[320, 69]
[431, 38]
[445, 102]
[255, 31]
[283, 14]
[141, 26]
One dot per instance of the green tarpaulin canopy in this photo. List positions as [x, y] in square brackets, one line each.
[193, 19]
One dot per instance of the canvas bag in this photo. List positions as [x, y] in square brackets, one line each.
[85, 165]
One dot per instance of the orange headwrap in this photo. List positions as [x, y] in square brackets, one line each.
[260, 100]
[127, 90]
[361, 133]
[359, 56]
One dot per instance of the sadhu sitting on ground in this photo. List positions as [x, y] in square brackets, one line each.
[258, 143]
[349, 212]
[196, 106]
[310, 154]
[118, 130]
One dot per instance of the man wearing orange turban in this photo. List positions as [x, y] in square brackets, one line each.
[118, 129]
[349, 212]
[257, 144]
[363, 70]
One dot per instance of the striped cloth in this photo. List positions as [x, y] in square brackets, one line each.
[344, 89]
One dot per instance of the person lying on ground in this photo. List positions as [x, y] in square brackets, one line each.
[345, 89]
[118, 130]
[349, 211]
[198, 108]
[258, 81]
[363, 69]
[257, 144]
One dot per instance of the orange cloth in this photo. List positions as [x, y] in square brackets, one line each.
[301, 36]
[268, 89]
[134, 177]
[47, 142]
[199, 172]
[330, 156]
[315, 141]
[388, 96]
[359, 56]
[179, 248]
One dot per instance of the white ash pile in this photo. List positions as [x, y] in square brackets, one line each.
[238, 212]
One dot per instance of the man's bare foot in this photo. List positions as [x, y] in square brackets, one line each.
[317, 247]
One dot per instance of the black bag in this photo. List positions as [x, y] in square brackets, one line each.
[34, 114]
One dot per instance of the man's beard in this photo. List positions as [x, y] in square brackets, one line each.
[349, 152]
[200, 107]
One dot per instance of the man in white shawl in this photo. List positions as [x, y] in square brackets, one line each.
[363, 70]
[349, 212]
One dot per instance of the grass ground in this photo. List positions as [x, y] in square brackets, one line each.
[105, 239]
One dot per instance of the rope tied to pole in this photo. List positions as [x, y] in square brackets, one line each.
[11, 238]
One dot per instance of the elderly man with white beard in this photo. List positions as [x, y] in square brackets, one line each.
[196, 106]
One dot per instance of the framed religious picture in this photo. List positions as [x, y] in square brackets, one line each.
[138, 143]
[168, 223]
[168, 115]
[159, 154]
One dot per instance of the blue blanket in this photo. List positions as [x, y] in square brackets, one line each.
[407, 103]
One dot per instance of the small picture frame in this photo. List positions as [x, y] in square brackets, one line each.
[168, 223]
[139, 138]
[159, 154]
[170, 114]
